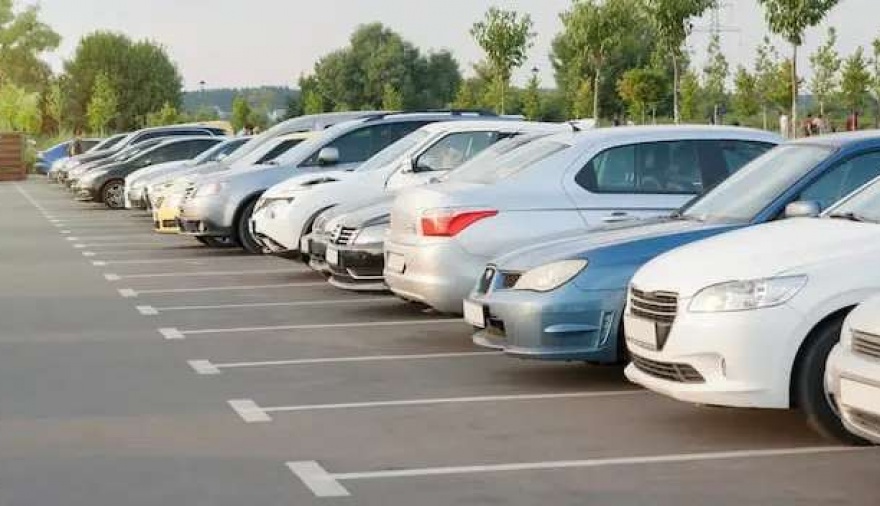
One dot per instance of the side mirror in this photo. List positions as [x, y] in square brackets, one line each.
[803, 209]
[328, 156]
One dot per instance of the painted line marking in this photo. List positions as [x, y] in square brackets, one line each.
[73, 238]
[324, 484]
[452, 400]
[279, 304]
[233, 287]
[114, 244]
[239, 330]
[88, 253]
[171, 333]
[187, 261]
[204, 367]
[65, 232]
[216, 367]
[207, 273]
[112, 277]
[249, 411]
[147, 310]
[99, 263]
[128, 293]
[79, 246]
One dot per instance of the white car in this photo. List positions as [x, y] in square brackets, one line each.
[285, 212]
[747, 319]
[853, 371]
[443, 235]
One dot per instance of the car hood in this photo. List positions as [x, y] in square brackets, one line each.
[788, 247]
[636, 241]
[153, 170]
[304, 182]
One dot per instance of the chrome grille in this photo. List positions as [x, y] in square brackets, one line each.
[680, 373]
[864, 420]
[866, 344]
[655, 306]
[342, 236]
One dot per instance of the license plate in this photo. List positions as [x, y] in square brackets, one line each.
[332, 256]
[860, 396]
[640, 332]
[395, 262]
[474, 314]
[304, 245]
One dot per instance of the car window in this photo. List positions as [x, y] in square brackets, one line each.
[843, 179]
[455, 149]
[361, 144]
[675, 167]
[282, 147]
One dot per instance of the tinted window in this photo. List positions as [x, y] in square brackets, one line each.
[282, 147]
[455, 149]
[677, 167]
[516, 161]
[843, 179]
[361, 144]
[172, 133]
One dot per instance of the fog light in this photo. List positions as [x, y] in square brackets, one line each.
[605, 325]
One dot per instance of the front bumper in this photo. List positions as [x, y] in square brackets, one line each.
[271, 227]
[165, 220]
[85, 193]
[314, 248]
[439, 274]
[741, 359]
[358, 268]
[204, 217]
[136, 199]
[567, 324]
[855, 381]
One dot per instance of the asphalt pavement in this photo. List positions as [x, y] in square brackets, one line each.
[141, 369]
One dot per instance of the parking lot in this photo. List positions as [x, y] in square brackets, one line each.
[145, 369]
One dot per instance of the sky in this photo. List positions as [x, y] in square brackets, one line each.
[235, 43]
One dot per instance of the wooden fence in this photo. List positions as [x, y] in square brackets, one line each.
[12, 167]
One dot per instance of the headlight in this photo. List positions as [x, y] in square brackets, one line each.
[551, 276]
[746, 295]
[371, 235]
[209, 189]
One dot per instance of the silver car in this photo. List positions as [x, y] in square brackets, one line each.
[443, 235]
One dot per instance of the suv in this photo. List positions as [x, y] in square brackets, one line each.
[222, 204]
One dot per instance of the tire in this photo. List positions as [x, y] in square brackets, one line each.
[809, 389]
[243, 230]
[112, 194]
[216, 242]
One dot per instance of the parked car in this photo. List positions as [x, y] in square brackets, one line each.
[136, 184]
[580, 318]
[107, 184]
[168, 192]
[748, 318]
[284, 213]
[73, 176]
[222, 204]
[853, 371]
[443, 235]
[46, 158]
[107, 144]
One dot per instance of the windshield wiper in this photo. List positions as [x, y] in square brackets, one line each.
[849, 215]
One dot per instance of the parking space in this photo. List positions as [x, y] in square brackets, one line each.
[265, 385]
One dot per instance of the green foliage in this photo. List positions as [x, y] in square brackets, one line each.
[781, 92]
[19, 109]
[23, 38]
[392, 100]
[715, 73]
[691, 97]
[103, 105]
[855, 81]
[505, 36]
[745, 96]
[241, 113]
[826, 65]
[168, 115]
[583, 101]
[142, 74]
[313, 103]
[531, 99]
[56, 101]
[469, 95]
[642, 89]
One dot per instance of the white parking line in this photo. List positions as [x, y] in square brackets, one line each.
[240, 330]
[208, 273]
[147, 310]
[332, 302]
[325, 484]
[115, 244]
[249, 411]
[210, 368]
[223, 288]
[112, 277]
[186, 261]
[171, 334]
[127, 293]
[264, 411]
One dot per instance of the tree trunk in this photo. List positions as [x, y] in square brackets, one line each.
[764, 116]
[676, 113]
[596, 79]
[503, 84]
[794, 92]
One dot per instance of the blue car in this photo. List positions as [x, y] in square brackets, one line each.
[46, 158]
[563, 300]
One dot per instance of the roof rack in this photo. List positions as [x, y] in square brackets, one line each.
[452, 112]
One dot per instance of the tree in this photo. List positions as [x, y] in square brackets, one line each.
[642, 89]
[781, 90]
[672, 20]
[826, 64]
[875, 80]
[142, 74]
[312, 103]
[583, 101]
[19, 109]
[168, 115]
[855, 81]
[23, 39]
[103, 106]
[532, 99]
[392, 100]
[789, 19]
[746, 102]
[241, 113]
[691, 96]
[767, 77]
[505, 37]
[715, 73]
[55, 104]
[468, 96]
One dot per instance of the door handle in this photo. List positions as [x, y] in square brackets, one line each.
[616, 217]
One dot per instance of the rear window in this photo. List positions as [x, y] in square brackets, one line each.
[509, 165]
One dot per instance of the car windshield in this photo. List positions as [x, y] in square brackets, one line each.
[488, 169]
[394, 151]
[747, 192]
[219, 152]
[108, 143]
[864, 205]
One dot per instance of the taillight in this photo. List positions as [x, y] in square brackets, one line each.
[449, 222]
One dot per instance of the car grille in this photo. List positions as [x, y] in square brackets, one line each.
[655, 306]
[866, 344]
[680, 373]
[189, 192]
[342, 236]
[864, 420]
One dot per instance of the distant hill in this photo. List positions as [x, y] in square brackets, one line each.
[268, 98]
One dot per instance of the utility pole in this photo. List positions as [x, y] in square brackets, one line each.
[715, 28]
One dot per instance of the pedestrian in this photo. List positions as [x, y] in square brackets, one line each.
[852, 122]
[819, 127]
[75, 147]
[807, 125]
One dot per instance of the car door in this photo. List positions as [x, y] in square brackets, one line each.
[641, 180]
[448, 153]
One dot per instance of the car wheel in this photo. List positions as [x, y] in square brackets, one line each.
[243, 230]
[112, 194]
[810, 390]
